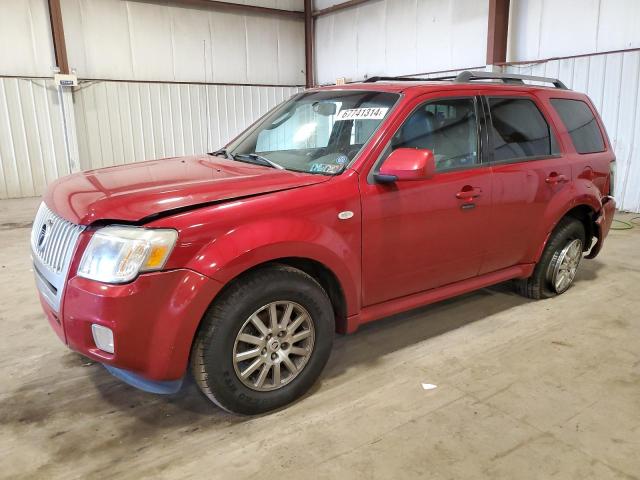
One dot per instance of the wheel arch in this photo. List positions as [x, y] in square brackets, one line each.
[328, 280]
[587, 214]
[320, 272]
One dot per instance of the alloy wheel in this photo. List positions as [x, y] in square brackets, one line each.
[564, 264]
[273, 345]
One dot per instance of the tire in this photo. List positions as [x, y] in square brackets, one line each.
[541, 284]
[275, 288]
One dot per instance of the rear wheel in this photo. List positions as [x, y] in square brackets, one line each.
[557, 268]
[264, 342]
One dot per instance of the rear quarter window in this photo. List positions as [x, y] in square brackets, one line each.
[581, 125]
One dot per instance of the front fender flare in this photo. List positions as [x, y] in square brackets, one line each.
[252, 244]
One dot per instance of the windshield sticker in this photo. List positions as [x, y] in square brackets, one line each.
[362, 114]
[341, 160]
[325, 168]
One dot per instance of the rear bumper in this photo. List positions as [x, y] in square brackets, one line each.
[603, 224]
[153, 319]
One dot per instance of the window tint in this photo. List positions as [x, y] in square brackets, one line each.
[581, 124]
[446, 127]
[519, 130]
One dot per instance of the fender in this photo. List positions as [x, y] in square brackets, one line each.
[255, 243]
[581, 192]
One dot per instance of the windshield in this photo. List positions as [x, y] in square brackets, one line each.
[316, 132]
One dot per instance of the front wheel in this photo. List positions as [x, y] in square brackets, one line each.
[264, 342]
[557, 268]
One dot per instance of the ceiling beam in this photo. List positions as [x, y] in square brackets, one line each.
[338, 7]
[308, 41]
[497, 33]
[57, 32]
[232, 7]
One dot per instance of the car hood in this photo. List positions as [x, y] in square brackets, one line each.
[139, 190]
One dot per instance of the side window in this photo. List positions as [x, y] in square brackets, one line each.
[581, 124]
[448, 127]
[519, 130]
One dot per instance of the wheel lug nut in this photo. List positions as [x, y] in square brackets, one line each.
[285, 345]
[274, 356]
[264, 350]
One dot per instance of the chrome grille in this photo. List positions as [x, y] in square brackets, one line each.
[52, 237]
[53, 240]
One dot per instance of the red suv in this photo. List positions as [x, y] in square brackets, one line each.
[343, 205]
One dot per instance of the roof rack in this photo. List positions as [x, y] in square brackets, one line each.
[468, 76]
[396, 79]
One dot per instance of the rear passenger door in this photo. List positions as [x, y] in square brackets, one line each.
[528, 171]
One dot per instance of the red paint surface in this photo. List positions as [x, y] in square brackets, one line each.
[153, 319]
[132, 192]
[407, 244]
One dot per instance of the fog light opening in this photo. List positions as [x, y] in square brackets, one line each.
[103, 337]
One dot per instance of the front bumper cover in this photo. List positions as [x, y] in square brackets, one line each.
[163, 387]
[153, 319]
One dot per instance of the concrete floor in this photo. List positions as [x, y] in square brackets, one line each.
[525, 389]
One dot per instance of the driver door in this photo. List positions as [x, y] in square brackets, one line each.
[422, 234]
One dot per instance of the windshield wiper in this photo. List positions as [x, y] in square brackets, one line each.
[254, 156]
[224, 152]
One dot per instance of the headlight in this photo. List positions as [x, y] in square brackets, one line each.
[117, 254]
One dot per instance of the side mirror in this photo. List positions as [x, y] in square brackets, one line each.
[407, 164]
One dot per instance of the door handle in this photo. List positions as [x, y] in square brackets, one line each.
[468, 193]
[555, 178]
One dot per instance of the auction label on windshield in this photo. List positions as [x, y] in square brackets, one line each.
[362, 114]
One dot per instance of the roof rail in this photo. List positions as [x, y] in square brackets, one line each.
[514, 78]
[395, 79]
[468, 76]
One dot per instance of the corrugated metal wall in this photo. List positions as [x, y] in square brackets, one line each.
[395, 37]
[135, 40]
[123, 122]
[26, 48]
[612, 81]
[34, 147]
[560, 28]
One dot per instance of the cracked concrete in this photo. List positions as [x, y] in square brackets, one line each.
[525, 389]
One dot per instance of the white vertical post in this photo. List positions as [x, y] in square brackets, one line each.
[65, 96]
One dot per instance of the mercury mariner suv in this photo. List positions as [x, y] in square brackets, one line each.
[342, 205]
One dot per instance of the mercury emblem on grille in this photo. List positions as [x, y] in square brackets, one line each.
[44, 234]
